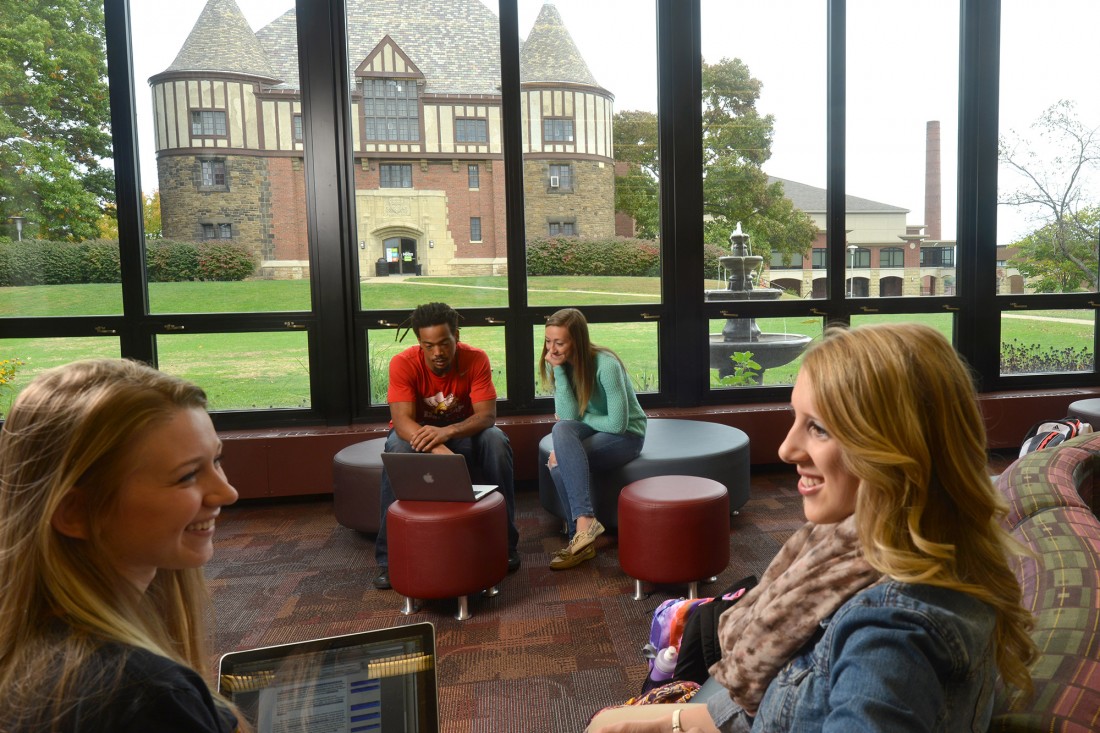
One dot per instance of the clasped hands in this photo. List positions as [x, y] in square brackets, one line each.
[430, 439]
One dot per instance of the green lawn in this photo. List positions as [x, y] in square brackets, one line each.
[259, 370]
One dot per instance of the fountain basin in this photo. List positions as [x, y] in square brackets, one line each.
[768, 350]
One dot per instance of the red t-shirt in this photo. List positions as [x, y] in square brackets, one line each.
[442, 400]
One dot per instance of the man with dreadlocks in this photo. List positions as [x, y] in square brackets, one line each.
[442, 400]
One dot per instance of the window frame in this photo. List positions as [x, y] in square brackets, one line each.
[386, 173]
[339, 377]
[218, 123]
[559, 130]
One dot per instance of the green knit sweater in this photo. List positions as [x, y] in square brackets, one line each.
[613, 406]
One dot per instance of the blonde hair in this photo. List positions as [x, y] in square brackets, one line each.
[60, 599]
[583, 363]
[902, 405]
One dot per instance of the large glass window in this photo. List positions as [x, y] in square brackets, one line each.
[233, 146]
[221, 171]
[59, 253]
[901, 115]
[1048, 221]
[590, 130]
[763, 145]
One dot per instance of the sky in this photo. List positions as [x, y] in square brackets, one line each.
[902, 72]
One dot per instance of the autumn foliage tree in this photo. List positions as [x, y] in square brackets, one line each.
[54, 117]
[737, 143]
[1051, 167]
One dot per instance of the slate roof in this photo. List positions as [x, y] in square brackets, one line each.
[223, 41]
[455, 43]
[549, 54]
[811, 199]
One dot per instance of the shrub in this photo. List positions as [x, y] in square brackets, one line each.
[577, 256]
[101, 261]
[226, 261]
[711, 253]
[1017, 358]
[167, 261]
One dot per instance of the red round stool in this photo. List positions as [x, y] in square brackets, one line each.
[673, 529]
[447, 549]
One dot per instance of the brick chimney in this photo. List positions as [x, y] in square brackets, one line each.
[932, 196]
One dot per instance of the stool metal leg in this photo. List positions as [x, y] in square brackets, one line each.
[411, 606]
[638, 595]
[491, 591]
[693, 589]
[463, 609]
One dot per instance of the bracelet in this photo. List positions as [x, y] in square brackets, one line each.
[676, 721]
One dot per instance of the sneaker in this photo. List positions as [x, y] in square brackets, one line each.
[564, 559]
[382, 580]
[583, 539]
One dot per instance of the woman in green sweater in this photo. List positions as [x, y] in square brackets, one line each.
[600, 424]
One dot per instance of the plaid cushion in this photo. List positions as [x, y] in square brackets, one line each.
[1060, 476]
[1061, 587]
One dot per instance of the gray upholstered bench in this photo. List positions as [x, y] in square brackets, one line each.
[357, 485]
[672, 447]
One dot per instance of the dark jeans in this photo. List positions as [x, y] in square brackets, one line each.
[489, 456]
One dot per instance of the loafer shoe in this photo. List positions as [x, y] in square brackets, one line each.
[382, 580]
[513, 561]
[564, 559]
[583, 539]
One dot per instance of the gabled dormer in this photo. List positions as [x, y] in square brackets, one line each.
[389, 83]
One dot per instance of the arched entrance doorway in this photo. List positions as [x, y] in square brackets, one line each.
[401, 255]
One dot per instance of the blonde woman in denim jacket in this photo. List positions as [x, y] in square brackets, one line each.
[896, 602]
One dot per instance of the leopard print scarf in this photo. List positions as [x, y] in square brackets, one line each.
[819, 568]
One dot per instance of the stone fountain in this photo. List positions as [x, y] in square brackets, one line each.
[742, 334]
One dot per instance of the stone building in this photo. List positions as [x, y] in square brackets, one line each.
[884, 255]
[426, 123]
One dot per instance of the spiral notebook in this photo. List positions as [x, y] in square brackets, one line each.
[381, 681]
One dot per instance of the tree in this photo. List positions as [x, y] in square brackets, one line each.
[54, 116]
[1039, 256]
[736, 144]
[1053, 165]
[150, 214]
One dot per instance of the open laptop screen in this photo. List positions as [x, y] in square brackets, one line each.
[379, 681]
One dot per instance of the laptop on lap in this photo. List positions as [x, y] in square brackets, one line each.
[381, 681]
[432, 477]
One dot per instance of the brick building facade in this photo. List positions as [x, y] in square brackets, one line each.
[426, 113]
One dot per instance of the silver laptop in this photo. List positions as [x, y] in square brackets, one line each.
[432, 477]
[381, 681]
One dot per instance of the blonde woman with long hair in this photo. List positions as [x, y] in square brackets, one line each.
[110, 486]
[600, 424]
[895, 607]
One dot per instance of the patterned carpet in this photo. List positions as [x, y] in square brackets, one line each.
[544, 655]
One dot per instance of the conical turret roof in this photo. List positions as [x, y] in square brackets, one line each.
[549, 54]
[223, 41]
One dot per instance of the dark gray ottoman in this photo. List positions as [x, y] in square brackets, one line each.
[672, 447]
[357, 485]
[1086, 411]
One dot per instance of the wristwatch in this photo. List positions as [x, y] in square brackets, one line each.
[676, 721]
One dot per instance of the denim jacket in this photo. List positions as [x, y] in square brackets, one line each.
[895, 657]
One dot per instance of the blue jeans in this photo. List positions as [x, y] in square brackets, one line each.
[579, 450]
[489, 456]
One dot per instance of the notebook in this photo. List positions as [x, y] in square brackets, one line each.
[381, 681]
[432, 477]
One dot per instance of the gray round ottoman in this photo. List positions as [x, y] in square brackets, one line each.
[672, 447]
[1086, 411]
[357, 485]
